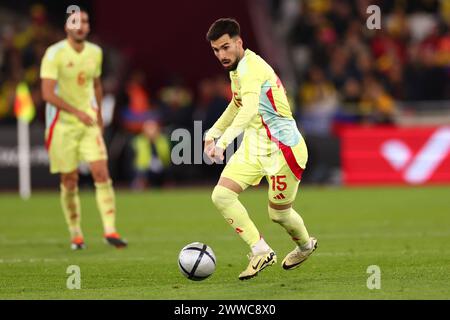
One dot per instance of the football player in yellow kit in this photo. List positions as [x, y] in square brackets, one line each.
[71, 86]
[272, 147]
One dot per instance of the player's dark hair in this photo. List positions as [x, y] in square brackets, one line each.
[223, 26]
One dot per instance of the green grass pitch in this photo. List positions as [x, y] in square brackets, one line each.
[404, 231]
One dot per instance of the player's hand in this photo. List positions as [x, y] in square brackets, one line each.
[218, 155]
[214, 153]
[85, 118]
[209, 149]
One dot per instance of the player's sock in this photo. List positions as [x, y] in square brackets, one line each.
[260, 247]
[106, 203]
[70, 203]
[234, 212]
[293, 223]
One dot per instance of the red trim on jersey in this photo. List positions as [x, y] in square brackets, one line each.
[269, 95]
[50, 131]
[291, 161]
[237, 101]
[279, 83]
[287, 153]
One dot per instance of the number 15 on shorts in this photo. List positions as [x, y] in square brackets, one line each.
[278, 183]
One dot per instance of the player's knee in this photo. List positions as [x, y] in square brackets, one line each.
[100, 176]
[70, 181]
[278, 215]
[222, 197]
[217, 197]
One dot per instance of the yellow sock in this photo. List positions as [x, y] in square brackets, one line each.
[293, 223]
[234, 212]
[70, 203]
[106, 203]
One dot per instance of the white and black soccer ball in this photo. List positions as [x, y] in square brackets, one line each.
[197, 261]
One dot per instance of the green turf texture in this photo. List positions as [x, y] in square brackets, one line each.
[404, 231]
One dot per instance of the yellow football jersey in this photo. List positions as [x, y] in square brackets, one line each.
[271, 124]
[75, 73]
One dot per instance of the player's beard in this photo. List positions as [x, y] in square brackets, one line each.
[78, 38]
[233, 66]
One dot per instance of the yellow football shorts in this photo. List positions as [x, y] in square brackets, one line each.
[283, 170]
[70, 144]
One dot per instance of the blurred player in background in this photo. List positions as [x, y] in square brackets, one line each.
[272, 147]
[71, 85]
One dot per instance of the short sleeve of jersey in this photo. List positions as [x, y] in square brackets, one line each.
[98, 69]
[251, 78]
[49, 65]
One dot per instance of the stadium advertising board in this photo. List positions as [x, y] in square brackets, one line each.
[393, 155]
[9, 158]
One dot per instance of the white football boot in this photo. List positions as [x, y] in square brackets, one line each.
[297, 256]
[258, 263]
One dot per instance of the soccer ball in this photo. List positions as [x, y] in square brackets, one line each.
[197, 261]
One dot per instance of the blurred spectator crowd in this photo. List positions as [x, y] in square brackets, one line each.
[23, 41]
[344, 73]
[347, 72]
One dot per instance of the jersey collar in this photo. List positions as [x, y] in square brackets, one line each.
[247, 52]
[75, 51]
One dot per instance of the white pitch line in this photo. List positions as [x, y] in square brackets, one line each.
[84, 260]
[323, 235]
[392, 235]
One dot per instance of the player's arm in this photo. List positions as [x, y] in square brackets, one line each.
[223, 122]
[98, 90]
[49, 95]
[251, 81]
[250, 103]
[220, 126]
